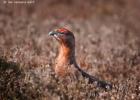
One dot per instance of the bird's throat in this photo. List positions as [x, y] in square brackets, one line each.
[66, 55]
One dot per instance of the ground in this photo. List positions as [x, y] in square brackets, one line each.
[107, 46]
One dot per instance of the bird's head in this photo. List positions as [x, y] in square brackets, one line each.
[63, 36]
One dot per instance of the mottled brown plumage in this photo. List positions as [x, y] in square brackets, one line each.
[65, 62]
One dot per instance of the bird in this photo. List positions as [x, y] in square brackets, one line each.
[65, 63]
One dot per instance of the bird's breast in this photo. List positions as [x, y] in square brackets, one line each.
[64, 69]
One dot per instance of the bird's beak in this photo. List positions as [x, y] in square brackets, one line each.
[52, 33]
[55, 35]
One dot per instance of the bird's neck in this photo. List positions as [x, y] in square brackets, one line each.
[66, 54]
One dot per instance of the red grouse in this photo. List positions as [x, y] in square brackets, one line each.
[66, 57]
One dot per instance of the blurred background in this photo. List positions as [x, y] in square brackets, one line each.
[107, 46]
[126, 11]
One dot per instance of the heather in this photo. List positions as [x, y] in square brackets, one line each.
[107, 46]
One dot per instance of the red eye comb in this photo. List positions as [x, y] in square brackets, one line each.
[62, 30]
